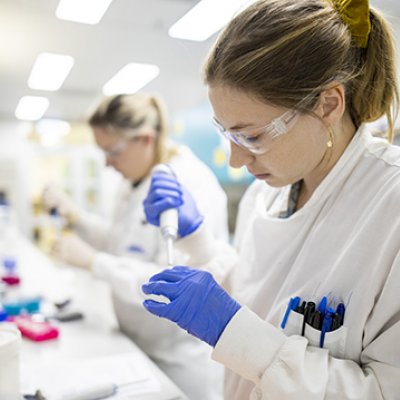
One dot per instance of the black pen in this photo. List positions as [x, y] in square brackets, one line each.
[301, 308]
[308, 314]
[317, 320]
[335, 321]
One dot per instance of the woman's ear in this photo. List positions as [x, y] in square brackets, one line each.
[332, 104]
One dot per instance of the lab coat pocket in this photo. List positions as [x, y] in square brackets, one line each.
[334, 341]
[294, 322]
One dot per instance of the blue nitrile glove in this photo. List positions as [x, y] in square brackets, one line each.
[197, 303]
[166, 192]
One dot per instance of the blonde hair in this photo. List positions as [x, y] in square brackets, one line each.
[282, 51]
[127, 114]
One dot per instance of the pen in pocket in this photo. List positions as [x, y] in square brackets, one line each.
[341, 310]
[293, 304]
[317, 320]
[308, 315]
[335, 322]
[322, 305]
[326, 325]
[301, 308]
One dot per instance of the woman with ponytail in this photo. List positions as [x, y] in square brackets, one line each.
[132, 132]
[313, 306]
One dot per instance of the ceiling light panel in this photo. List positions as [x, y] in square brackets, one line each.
[131, 78]
[83, 11]
[206, 18]
[31, 108]
[50, 71]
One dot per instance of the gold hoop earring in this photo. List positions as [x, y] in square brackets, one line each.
[330, 141]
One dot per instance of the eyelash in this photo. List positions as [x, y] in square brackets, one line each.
[252, 139]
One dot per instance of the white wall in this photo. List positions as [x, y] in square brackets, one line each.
[15, 157]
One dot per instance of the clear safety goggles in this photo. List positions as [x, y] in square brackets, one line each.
[114, 151]
[119, 147]
[259, 140]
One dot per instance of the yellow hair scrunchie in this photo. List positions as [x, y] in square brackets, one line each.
[355, 14]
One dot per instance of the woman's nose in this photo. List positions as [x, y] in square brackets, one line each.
[239, 156]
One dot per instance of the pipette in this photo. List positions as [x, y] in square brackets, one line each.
[168, 219]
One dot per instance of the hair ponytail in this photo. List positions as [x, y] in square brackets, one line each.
[373, 92]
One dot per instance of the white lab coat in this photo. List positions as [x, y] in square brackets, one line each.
[132, 251]
[344, 243]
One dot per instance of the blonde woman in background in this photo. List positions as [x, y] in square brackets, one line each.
[131, 130]
[314, 310]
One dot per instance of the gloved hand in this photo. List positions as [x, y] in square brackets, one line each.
[166, 192]
[54, 197]
[73, 250]
[197, 303]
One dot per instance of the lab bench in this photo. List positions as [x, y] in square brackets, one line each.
[96, 335]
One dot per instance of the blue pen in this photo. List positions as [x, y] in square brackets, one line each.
[293, 304]
[340, 310]
[326, 325]
[322, 305]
